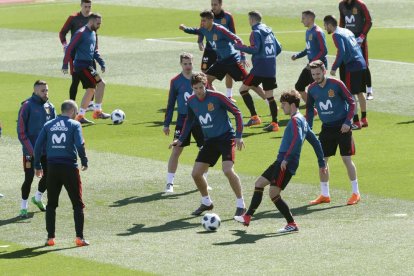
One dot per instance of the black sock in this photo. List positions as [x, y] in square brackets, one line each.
[356, 118]
[363, 115]
[248, 100]
[78, 217]
[256, 200]
[273, 108]
[283, 208]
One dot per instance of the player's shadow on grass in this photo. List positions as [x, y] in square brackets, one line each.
[245, 238]
[406, 123]
[298, 211]
[150, 124]
[29, 252]
[17, 219]
[175, 225]
[149, 198]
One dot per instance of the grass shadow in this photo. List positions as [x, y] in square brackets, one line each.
[149, 198]
[175, 225]
[29, 252]
[245, 238]
[17, 219]
[405, 123]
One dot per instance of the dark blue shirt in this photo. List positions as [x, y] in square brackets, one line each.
[315, 45]
[297, 130]
[33, 114]
[63, 140]
[349, 52]
[180, 91]
[223, 18]
[211, 112]
[264, 48]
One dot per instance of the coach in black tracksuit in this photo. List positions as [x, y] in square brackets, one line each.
[62, 138]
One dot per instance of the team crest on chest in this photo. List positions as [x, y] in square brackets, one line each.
[223, 21]
[210, 107]
[310, 37]
[214, 37]
[354, 11]
[331, 93]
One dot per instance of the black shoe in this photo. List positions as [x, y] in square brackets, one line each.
[240, 211]
[202, 208]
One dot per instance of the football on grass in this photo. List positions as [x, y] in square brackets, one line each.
[117, 116]
[211, 222]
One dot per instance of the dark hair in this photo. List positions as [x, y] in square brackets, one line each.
[291, 97]
[68, 105]
[317, 64]
[94, 16]
[198, 77]
[39, 82]
[220, 1]
[309, 13]
[330, 19]
[257, 16]
[86, 1]
[207, 14]
[185, 56]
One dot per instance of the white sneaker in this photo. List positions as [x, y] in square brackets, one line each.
[169, 188]
[370, 96]
[209, 188]
[290, 227]
[1, 195]
[90, 108]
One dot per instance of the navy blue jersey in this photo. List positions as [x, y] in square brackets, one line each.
[334, 103]
[72, 24]
[85, 43]
[33, 114]
[349, 52]
[224, 19]
[315, 45]
[355, 17]
[180, 91]
[222, 41]
[63, 140]
[211, 112]
[264, 48]
[297, 130]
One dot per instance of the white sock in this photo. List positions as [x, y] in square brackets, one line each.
[369, 89]
[325, 188]
[91, 103]
[170, 178]
[240, 203]
[355, 188]
[97, 106]
[82, 111]
[24, 204]
[229, 92]
[38, 196]
[206, 200]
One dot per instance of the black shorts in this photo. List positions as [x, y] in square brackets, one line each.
[211, 150]
[268, 83]
[196, 131]
[220, 70]
[276, 176]
[331, 137]
[354, 81]
[304, 80]
[88, 76]
[208, 59]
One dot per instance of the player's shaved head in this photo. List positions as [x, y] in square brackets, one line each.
[39, 82]
[68, 107]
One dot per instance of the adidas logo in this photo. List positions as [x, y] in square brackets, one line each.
[60, 126]
[269, 39]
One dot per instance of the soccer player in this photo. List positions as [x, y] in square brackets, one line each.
[62, 138]
[180, 91]
[350, 54]
[33, 114]
[72, 24]
[264, 48]
[281, 171]
[315, 50]
[84, 42]
[229, 61]
[209, 56]
[354, 16]
[336, 107]
[211, 108]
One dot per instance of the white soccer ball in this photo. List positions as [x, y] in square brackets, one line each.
[117, 116]
[211, 222]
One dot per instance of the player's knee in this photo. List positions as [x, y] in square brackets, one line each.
[196, 174]
[228, 172]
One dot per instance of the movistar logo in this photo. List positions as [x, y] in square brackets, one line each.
[325, 106]
[350, 19]
[205, 120]
[186, 96]
[58, 139]
[59, 126]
